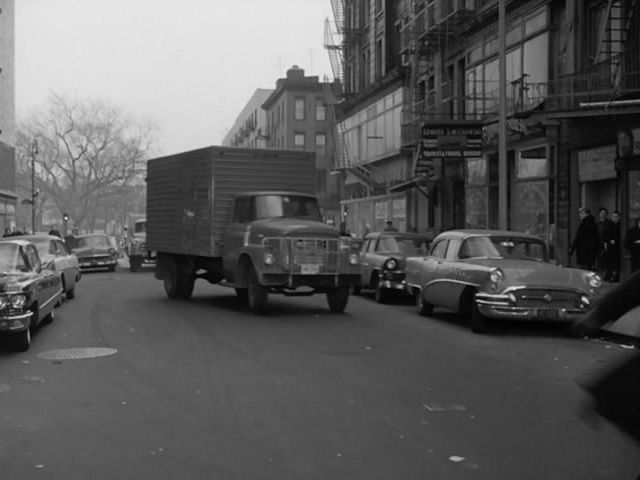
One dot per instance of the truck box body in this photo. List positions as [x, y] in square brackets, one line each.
[190, 194]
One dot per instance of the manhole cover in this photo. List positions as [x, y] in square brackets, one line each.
[77, 353]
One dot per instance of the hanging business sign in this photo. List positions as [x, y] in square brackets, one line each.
[457, 140]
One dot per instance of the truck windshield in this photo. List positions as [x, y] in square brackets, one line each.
[274, 206]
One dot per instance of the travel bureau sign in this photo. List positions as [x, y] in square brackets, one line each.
[451, 140]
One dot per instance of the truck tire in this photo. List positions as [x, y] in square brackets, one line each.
[170, 278]
[337, 298]
[242, 294]
[257, 295]
[186, 282]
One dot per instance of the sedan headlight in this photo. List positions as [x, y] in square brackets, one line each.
[496, 277]
[18, 301]
[593, 279]
[391, 264]
[4, 302]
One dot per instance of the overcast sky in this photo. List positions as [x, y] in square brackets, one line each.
[189, 66]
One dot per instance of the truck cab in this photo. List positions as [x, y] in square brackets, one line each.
[137, 246]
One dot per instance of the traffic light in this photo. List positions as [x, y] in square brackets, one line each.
[65, 217]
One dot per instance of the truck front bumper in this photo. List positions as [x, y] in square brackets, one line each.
[313, 281]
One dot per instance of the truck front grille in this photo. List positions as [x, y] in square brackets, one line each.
[306, 255]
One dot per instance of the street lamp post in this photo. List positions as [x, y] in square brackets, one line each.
[34, 194]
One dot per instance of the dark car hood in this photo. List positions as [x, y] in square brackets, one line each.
[528, 272]
[293, 227]
[91, 251]
[14, 281]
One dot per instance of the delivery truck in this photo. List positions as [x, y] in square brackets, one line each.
[247, 219]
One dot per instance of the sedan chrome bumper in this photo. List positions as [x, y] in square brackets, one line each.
[499, 306]
[15, 323]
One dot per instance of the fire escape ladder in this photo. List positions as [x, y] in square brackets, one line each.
[614, 28]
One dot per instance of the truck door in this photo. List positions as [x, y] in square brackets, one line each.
[236, 235]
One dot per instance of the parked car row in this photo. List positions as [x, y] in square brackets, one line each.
[37, 272]
[485, 274]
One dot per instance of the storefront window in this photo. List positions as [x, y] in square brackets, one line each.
[476, 208]
[531, 207]
[477, 171]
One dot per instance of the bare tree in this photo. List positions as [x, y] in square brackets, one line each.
[89, 154]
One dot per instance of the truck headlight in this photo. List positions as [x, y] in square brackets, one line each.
[269, 258]
[18, 301]
[354, 259]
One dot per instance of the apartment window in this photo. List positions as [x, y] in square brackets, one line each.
[378, 6]
[299, 109]
[321, 140]
[321, 112]
[299, 139]
[379, 60]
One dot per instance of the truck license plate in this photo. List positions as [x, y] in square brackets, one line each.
[309, 269]
[547, 314]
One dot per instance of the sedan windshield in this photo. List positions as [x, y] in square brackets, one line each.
[8, 257]
[98, 241]
[503, 247]
[400, 244]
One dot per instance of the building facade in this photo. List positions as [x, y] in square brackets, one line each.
[249, 129]
[572, 99]
[8, 197]
[298, 118]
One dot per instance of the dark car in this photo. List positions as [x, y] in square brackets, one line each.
[54, 254]
[95, 250]
[382, 261]
[28, 292]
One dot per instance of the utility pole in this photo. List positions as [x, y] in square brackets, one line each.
[34, 194]
[502, 120]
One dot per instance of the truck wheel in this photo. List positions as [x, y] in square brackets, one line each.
[257, 295]
[242, 294]
[186, 283]
[135, 264]
[337, 298]
[170, 278]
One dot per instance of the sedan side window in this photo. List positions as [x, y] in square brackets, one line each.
[452, 250]
[439, 249]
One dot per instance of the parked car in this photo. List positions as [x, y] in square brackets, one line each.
[55, 255]
[382, 261]
[28, 291]
[493, 274]
[95, 250]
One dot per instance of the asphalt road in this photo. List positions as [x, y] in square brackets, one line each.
[126, 384]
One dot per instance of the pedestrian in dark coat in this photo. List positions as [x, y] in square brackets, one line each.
[586, 243]
[605, 231]
[613, 250]
[632, 243]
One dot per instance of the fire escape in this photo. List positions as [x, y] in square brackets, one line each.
[428, 26]
[338, 38]
[611, 80]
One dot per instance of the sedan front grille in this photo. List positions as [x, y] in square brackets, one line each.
[547, 298]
